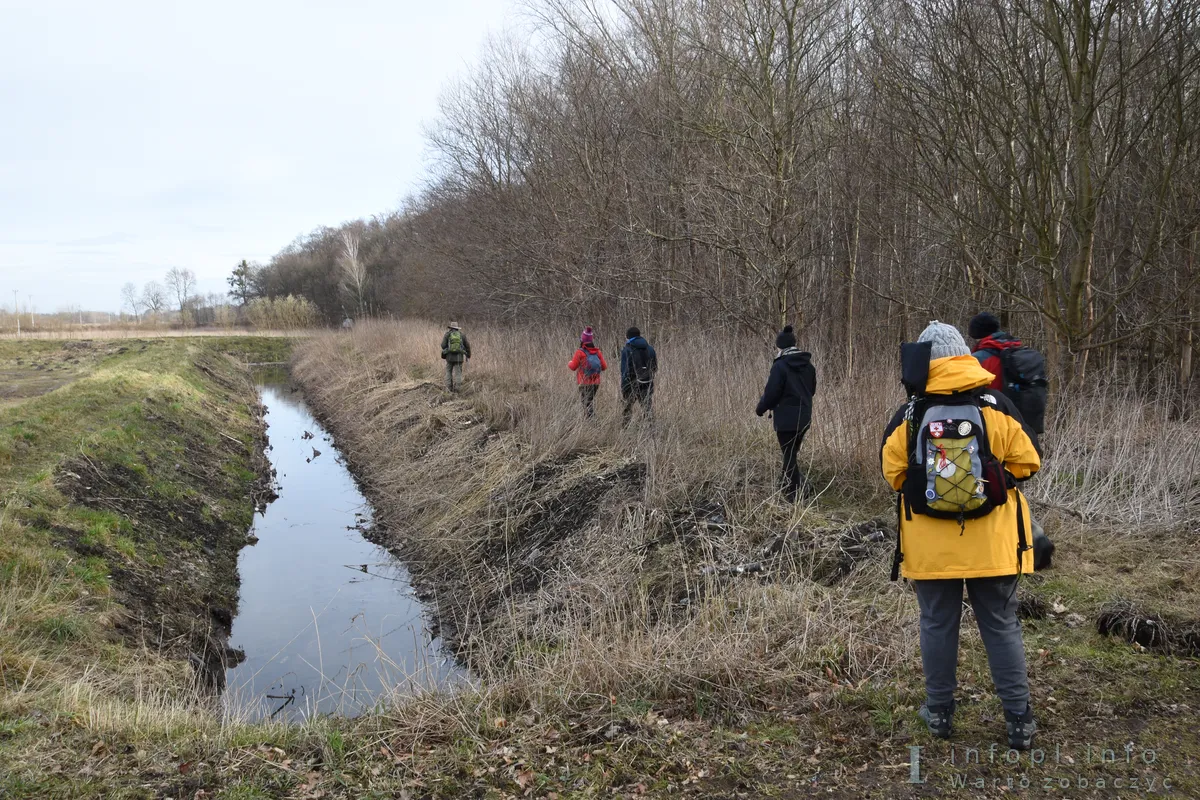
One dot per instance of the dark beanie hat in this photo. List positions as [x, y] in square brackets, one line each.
[982, 326]
[632, 333]
[786, 338]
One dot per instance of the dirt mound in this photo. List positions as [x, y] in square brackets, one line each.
[33, 369]
[530, 519]
[1126, 620]
[533, 529]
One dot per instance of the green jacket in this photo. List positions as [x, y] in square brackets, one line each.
[455, 358]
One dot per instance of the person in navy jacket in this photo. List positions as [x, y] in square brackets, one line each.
[639, 365]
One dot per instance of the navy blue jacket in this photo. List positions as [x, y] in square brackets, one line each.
[628, 379]
[790, 390]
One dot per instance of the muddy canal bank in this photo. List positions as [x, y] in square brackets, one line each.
[159, 492]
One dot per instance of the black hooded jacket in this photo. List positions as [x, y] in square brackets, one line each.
[628, 378]
[790, 390]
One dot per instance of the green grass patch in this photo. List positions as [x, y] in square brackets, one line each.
[126, 546]
[63, 628]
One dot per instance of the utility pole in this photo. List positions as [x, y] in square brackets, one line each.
[17, 312]
[31, 325]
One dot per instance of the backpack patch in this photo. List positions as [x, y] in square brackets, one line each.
[952, 473]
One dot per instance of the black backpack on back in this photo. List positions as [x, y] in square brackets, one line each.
[1023, 374]
[639, 358]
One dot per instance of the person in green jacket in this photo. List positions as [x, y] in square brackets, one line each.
[455, 350]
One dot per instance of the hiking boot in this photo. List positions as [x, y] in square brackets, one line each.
[1021, 728]
[938, 719]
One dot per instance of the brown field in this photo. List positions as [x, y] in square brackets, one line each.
[108, 332]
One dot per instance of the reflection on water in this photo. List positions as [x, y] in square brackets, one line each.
[328, 620]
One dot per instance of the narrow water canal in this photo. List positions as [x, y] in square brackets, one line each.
[328, 620]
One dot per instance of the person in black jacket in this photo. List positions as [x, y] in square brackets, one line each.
[639, 364]
[789, 394]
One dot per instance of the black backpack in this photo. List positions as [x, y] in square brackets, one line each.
[1023, 374]
[639, 359]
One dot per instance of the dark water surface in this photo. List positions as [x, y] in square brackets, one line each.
[328, 620]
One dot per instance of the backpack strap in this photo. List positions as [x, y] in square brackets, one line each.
[897, 555]
[902, 508]
[1022, 542]
[985, 353]
[911, 421]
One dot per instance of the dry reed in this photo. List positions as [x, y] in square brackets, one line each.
[457, 481]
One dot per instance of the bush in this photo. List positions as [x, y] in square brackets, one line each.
[283, 313]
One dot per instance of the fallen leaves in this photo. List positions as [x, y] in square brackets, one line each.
[310, 789]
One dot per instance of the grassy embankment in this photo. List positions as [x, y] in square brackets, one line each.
[148, 331]
[583, 571]
[129, 472]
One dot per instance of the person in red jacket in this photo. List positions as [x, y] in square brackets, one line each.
[989, 342]
[587, 364]
[984, 328]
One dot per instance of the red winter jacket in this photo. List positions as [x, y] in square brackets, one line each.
[991, 361]
[579, 361]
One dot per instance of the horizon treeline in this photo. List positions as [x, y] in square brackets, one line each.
[852, 168]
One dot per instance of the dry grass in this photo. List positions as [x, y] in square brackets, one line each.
[146, 331]
[607, 612]
[590, 623]
[1120, 459]
[601, 602]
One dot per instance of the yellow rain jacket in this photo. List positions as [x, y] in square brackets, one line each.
[987, 546]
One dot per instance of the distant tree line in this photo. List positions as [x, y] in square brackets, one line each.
[177, 300]
[853, 167]
[368, 268]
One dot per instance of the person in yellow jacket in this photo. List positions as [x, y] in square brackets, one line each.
[987, 553]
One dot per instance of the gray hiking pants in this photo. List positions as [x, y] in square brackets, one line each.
[454, 375]
[994, 601]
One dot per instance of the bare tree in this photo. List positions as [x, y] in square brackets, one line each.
[854, 167]
[132, 300]
[353, 270]
[154, 297]
[181, 283]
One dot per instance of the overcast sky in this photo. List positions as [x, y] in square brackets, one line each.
[137, 136]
